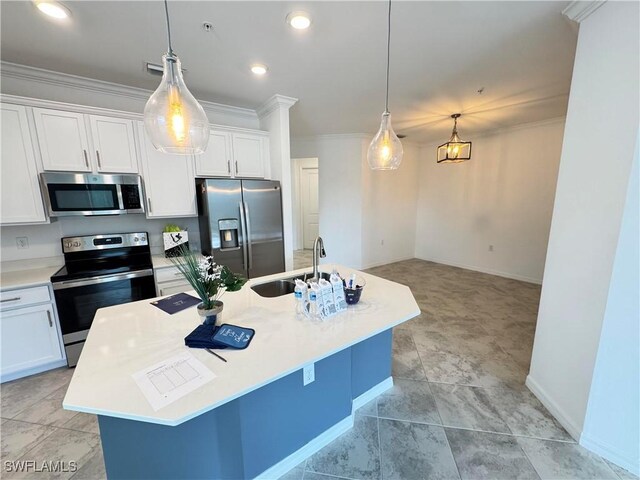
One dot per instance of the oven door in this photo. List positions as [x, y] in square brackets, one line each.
[78, 300]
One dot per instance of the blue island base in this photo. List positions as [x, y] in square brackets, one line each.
[261, 434]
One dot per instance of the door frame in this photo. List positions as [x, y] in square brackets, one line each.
[297, 165]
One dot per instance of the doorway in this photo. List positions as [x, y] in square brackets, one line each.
[306, 208]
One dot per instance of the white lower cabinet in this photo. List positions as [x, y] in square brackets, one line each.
[169, 181]
[169, 281]
[30, 340]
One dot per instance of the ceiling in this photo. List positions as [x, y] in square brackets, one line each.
[442, 53]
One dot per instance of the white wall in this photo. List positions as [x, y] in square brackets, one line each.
[44, 240]
[502, 197]
[360, 209]
[389, 207]
[600, 137]
[340, 185]
[612, 425]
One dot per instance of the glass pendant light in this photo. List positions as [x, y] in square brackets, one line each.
[173, 118]
[385, 151]
[455, 150]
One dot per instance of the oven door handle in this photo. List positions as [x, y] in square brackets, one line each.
[102, 279]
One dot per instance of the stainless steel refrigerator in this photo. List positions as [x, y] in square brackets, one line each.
[241, 224]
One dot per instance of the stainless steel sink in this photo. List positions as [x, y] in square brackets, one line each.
[282, 286]
[275, 288]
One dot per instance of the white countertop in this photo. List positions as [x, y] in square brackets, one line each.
[160, 261]
[31, 277]
[125, 339]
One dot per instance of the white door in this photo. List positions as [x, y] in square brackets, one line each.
[169, 181]
[248, 155]
[216, 160]
[114, 144]
[29, 338]
[62, 137]
[309, 204]
[20, 197]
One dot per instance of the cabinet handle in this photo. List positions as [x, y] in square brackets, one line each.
[10, 299]
[49, 317]
[236, 167]
[149, 202]
[98, 157]
[86, 158]
[229, 167]
[178, 274]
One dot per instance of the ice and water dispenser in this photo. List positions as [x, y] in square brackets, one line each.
[228, 228]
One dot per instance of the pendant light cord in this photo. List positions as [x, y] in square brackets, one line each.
[166, 11]
[386, 101]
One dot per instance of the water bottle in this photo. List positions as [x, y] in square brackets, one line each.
[302, 299]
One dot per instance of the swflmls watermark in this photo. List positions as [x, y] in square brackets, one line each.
[57, 466]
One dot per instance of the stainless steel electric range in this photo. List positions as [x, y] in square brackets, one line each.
[99, 271]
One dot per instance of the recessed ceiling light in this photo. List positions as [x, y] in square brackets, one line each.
[53, 9]
[259, 69]
[299, 20]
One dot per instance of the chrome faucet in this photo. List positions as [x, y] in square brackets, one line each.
[318, 253]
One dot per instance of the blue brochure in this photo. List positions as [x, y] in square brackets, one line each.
[176, 303]
[224, 336]
[233, 336]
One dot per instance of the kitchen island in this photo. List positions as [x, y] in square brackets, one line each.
[255, 418]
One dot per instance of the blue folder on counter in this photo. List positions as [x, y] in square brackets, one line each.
[176, 303]
[224, 336]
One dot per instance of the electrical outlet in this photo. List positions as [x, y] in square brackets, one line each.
[22, 243]
[491, 248]
[308, 374]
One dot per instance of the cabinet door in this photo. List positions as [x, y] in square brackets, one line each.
[248, 155]
[29, 338]
[171, 288]
[216, 160]
[114, 144]
[62, 137]
[169, 181]
[20, 197]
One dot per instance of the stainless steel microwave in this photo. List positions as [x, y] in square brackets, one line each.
[91, 194]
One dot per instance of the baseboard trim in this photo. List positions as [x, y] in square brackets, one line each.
[32, 371]
[609, 452]
[553, 408]
[386, 262]
[514, 276]
[370, 394]
[322, 440]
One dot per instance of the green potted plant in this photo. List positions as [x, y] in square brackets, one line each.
[209, 280]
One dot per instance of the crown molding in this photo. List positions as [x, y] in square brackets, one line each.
[49, 77]
[275, 102]
[578, 10]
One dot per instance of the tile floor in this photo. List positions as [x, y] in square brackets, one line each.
[302, 258]
[458, 409]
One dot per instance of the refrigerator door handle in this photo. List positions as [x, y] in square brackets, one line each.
[248, 220]
[245, 239]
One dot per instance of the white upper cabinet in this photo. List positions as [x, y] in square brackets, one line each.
[20, 197]
[114, 144]
[169, 181]
[216, 160]
[249, 155]
[63, 141]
